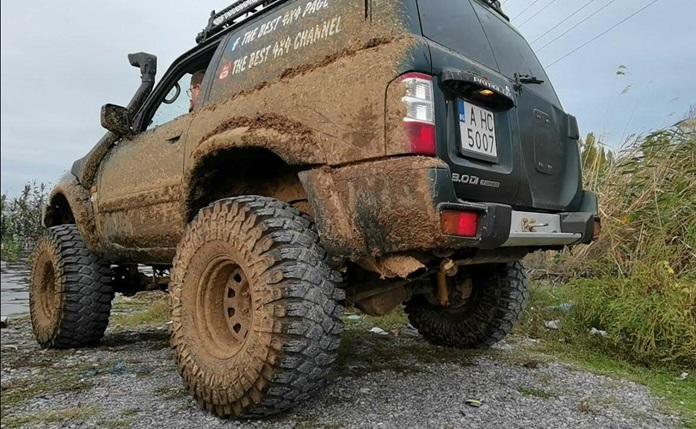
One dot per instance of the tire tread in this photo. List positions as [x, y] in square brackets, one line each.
[303, 295]
[495, 315]
[84, 283]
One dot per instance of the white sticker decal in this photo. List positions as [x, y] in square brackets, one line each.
[225, 71]
[300, 39]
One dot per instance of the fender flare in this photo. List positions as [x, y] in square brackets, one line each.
[291, 149]
[80, 206]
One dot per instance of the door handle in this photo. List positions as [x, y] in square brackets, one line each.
[174, 139]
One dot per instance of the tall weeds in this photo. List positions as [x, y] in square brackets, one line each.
[638, 281]
[20, 221]
[648, 208]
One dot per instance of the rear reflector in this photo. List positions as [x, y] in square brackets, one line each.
[421, 137]
[463, 224]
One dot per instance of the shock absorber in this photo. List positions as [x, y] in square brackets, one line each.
[447, 269]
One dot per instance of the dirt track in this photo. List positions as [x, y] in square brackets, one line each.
[381, 381]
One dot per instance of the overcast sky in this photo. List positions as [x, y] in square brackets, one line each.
[62, 60]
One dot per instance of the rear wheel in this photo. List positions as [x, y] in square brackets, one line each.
[255, 311]
[488, 316]
[70, 294]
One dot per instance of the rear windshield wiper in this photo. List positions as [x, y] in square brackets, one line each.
[495, 5]
[526, 79]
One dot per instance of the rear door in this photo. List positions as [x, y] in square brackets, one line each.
[504, 143]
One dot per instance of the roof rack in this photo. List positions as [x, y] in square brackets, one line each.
[236, 13]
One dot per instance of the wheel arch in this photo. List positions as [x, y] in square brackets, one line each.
[58, 211]
[69, 204]
[233, 170]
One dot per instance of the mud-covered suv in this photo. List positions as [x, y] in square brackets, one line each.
[373, 153]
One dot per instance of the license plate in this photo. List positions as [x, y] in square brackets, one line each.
[477, 126]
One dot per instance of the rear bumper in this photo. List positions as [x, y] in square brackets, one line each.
[394, 205]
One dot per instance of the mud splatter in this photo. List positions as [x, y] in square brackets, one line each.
[368, 210]
[330, 59]
[269, 120]
[322, 106]
[78, 199]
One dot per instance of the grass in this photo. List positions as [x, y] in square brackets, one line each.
[394, 321]
[367, 353]
[638, 280]
[308, 423]
[139, 313]
[661, 382]
[533, 391]
[651, 329]
[679, 395]
[584, 406]
[48, 381]
[362, 352]
[53, 416]
[11, 251]
[53, 381]
[171, 393]
[573, 343]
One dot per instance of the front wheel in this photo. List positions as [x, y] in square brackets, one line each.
[495, 305]
[70, 293]
[255, 308]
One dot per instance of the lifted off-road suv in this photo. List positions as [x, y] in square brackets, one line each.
[374, 153]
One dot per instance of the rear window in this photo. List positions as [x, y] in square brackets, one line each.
[513, 53]
[482, 35]
[454, 24]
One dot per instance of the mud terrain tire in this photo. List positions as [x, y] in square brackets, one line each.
[70, 291]
[255, 308]
[496, 304]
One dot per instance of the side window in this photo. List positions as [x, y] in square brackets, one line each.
[176, 103]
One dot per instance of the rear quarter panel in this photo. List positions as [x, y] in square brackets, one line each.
[308, 81]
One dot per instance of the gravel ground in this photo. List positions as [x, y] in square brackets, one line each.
[381, 381]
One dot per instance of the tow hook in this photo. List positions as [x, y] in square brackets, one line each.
[447, 269]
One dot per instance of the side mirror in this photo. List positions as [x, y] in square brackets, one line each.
[116, 119]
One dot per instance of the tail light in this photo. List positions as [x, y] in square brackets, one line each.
[419, 123]
[463, 224]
